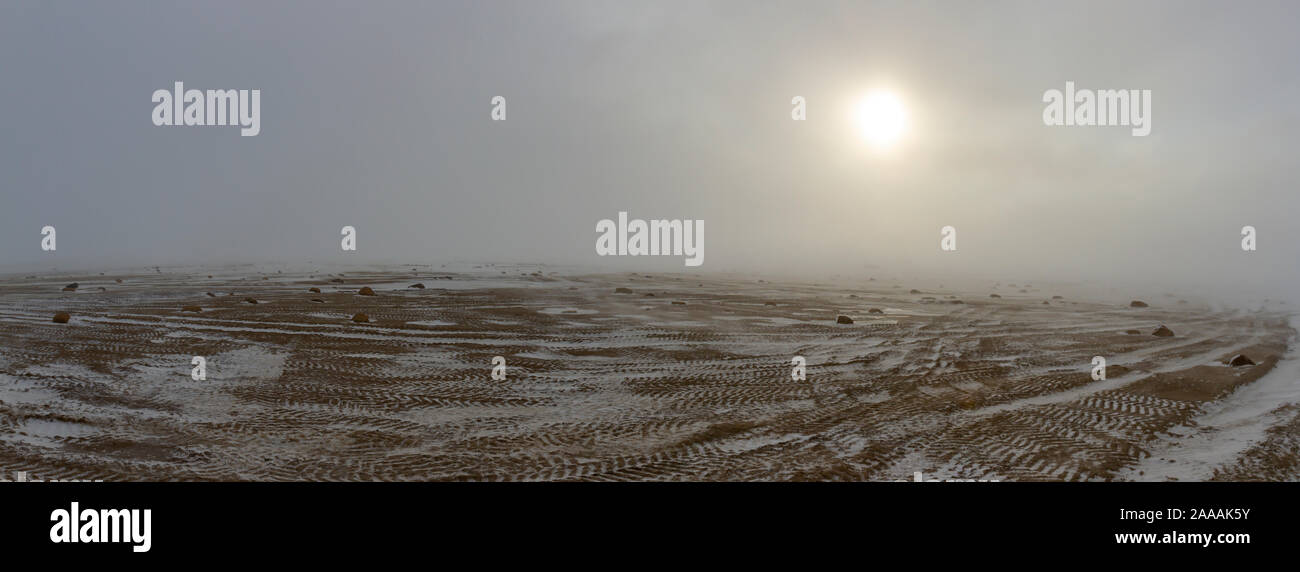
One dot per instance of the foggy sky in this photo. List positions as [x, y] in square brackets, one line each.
[376, 115]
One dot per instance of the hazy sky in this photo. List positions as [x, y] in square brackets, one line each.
[377, 115]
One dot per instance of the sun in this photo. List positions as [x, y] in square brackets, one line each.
[881, 118]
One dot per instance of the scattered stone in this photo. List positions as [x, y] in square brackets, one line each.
[419, 285]
[1137, 304]
[314, 290]
[843, 320]
[875, 311]
[1240, 360]
[62, 318]
[365, 291]
[191, 309]
[359, 317]
[1163, 332]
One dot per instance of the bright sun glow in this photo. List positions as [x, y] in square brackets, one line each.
[881, 118]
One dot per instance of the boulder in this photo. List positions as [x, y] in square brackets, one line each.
[875, 311]
[1132, 332]
[250, 300]
[1163, 332]
[1137, 304]
[71, 287]
[995, 295]
[314, 290]
[365, 291]
[359, 317]
[1240, 360]
[191, 309]
[622, 290]
[417, 285]
[317, 301]
[843, 320]
[62, 318]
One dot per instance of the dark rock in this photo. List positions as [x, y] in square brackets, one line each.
[71, 287]
[1137, 304]
[250, 300]
[191, 309]
[62, 318]
[995, 296]
[365, 291]
[622, 290]
[314, 290]
[418, 285]
[359, 317]
[1163, 332]
[1132, 332]
[875, 311]
[843, 320]
[1240, 360]
[317, 301]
